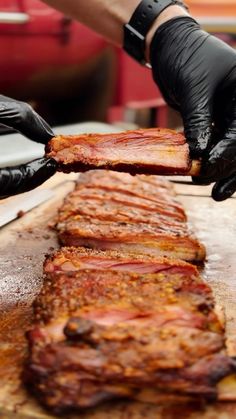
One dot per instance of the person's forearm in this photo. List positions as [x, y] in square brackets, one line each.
[107, 17]
[104, 16]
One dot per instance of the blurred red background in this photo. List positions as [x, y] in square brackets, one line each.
[70, 74]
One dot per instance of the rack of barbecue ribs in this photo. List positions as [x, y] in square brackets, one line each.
[124, 321]
[103, 212]
[148, 151]
[110, 325]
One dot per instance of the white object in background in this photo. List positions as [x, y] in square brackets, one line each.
[85, 127]
[14, 18]
[218, 24]
[16, 149]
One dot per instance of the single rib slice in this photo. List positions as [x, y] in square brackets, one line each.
[140, 185]
[140, 194]
[105, 334]
[71, 259]
[151, 151]
[160, 206]
[139, 238]
[114, 206]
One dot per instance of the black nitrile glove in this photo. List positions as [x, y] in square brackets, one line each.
[21, 117]
[196, 74]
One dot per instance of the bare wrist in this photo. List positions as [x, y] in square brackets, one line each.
[167, 14]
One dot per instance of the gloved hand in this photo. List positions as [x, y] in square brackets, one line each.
[21, 117]
[196, 74]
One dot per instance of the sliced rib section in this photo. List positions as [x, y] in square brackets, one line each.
[139, 238]
[71, 259]
[130, 203]
[150, 151]
[118, 212]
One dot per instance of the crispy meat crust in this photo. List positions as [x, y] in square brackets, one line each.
[151, 151]
[77, 375]
[117, 291]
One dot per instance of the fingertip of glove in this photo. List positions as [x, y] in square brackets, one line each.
[51, 134]
[49, 130]
[44, 136]
[51, 165]
[218, 197]
[222, 192]
[50, 162]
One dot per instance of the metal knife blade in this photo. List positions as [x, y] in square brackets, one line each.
[10, 208]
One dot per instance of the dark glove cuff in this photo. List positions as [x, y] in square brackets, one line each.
[176, 23]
